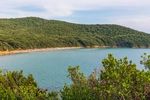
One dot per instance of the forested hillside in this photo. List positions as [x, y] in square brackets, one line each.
[32, 32]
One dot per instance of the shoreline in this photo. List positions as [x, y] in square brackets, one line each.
[2, 53]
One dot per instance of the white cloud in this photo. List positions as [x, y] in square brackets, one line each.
[63, 7]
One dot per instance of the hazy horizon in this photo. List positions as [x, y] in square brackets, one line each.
[77, 22]
[131, 13]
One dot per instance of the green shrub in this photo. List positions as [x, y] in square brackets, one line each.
[118, 80]
[15, 86]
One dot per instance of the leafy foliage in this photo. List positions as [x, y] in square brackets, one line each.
[15, 86]
[119, 80]
[32, 32]
[146, 61]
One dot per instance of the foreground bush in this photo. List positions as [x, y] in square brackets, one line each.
[15, 86]
[118, 80]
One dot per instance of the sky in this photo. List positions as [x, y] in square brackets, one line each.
[130, 13]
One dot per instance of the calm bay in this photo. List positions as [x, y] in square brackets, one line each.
[50, 67]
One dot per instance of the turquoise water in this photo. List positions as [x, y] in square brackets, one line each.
[50, 68]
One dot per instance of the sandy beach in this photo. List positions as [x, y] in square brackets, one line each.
[35, 50]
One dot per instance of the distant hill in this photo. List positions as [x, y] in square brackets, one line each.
[32, 32]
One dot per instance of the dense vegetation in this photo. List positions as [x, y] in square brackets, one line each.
[31, 32]
[119, 79]
[15, 86]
